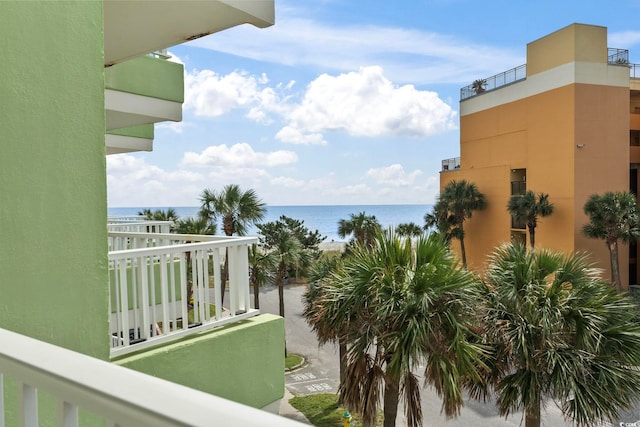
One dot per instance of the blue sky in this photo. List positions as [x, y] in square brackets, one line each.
[341, 101]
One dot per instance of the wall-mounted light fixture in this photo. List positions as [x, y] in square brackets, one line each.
[580, 145]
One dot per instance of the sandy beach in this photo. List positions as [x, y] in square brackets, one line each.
[332, 246]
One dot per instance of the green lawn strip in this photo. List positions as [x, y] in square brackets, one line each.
[322, 410]
[292, 360]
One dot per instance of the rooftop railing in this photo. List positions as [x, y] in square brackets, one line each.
[166, 286]
[617, 56]
[490, 83]
[451, 164]
[118, 396]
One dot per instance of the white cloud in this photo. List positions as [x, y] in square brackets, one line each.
[238, 156]
[131, 181]
[283, 181]
[177, 127]
[393, 175]
[210, 94]
[365, 103]
[624, 39]
[427, 57]
[293, 135]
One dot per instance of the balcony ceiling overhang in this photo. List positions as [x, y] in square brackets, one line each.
[127, 109]
[117, 144]
[133, 28]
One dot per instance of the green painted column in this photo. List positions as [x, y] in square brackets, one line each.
[53, 254]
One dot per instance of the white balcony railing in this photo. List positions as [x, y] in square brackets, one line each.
[136, 224]
[120, 396]
[166, 286]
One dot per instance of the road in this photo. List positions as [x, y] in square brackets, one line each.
[321, 374]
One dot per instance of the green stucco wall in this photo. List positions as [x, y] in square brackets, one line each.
[243, 362]
[53, 252]
[157, 78]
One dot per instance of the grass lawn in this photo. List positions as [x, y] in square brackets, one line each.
[292, 360]
[322, 410]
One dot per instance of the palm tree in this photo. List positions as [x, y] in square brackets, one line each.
[363, 227]
[397, 307]
[236, 209]
[159, 214]
[557, 331]
[262, 264]
[439, 219]
[613, 216]
[456, 204]
[410, 229]
[528, 207]
[294, 246]
[289, 254]
[315, 311]
[194, 226]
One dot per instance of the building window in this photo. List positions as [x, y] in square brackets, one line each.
[518, 188]
[518, 182]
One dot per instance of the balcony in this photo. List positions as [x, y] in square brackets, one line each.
[451, 164]
[494, 82]
[115, 395]
[138, 224]
[134, 28]
[164, 287]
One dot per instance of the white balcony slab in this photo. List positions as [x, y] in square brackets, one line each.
[127, 109]
[133, 28]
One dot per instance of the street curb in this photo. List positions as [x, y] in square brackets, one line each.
[296, 367]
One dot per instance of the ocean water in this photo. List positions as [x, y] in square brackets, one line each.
[322, 218]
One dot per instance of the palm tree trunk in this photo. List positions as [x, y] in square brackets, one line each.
[342, 351]
[280, 279]
[391, 398]
[225, 275]
[256, 294]
[463, 252]
[532, 416]
[532, 236]
[615, 265]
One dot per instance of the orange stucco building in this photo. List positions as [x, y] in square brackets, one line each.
[568, 124]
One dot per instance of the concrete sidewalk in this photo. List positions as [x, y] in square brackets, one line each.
[286, 410]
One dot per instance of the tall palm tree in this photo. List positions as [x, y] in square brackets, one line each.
[363, 227]
[236, 209]
[557, 331]
[315, 311]
[613, 216]
[398, 306]
[262, 264]
[529, 207]
[409, 229]
[289, 254]
[454, 206]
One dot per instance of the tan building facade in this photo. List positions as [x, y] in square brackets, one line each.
[565, 124]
